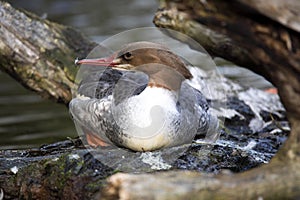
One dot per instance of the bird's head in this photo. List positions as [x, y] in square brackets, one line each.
[155, 60]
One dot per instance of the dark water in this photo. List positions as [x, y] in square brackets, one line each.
[26, 120]
[97, 19]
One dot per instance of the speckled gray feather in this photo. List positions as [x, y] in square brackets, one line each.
[110, 87]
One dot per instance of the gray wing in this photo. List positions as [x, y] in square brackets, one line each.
[193, 100]
[121, 85]
[99, 84]
[130, 84]
[97, 91]
[92, 115]
[208, 123]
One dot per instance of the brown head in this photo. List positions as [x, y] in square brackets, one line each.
[164, 68]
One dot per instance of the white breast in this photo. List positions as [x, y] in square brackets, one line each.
[148, 114]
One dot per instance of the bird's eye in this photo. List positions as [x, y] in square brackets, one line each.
[128, 56]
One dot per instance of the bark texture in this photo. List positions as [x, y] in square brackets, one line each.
[40, 54]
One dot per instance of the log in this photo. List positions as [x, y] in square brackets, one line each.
[40, 54]
[262, 42]
[247, 39]
[284, 12]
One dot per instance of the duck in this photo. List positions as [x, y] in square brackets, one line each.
[141, 100]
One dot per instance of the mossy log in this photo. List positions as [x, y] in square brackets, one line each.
[40, 55]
